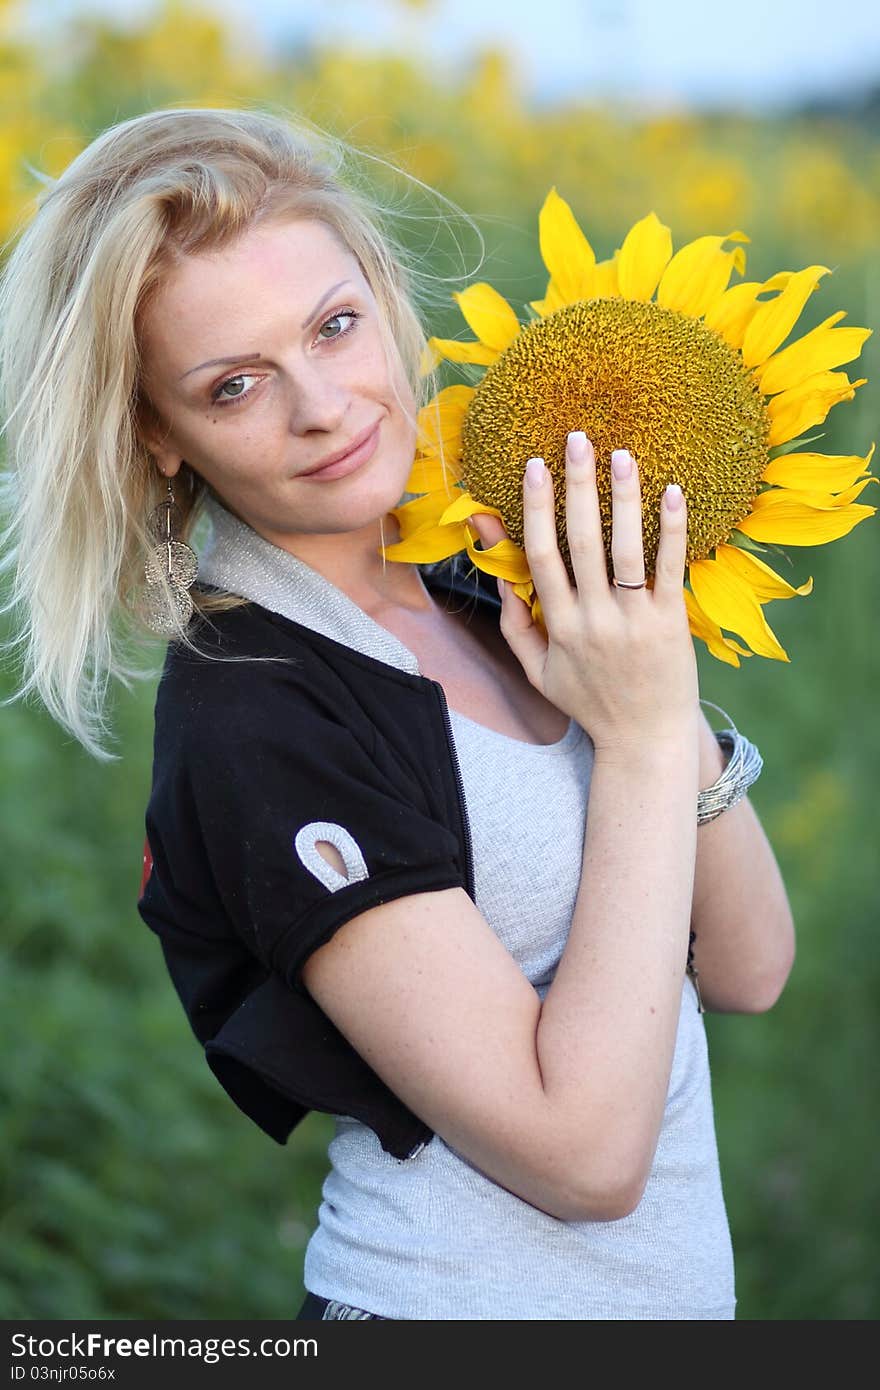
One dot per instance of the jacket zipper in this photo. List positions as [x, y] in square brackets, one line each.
[462, 805]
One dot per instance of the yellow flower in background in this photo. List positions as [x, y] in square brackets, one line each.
[655, 352]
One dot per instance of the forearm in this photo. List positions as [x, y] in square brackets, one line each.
[608, 1024]
[745, 943]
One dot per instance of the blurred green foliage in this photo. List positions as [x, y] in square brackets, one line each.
[131, 1188]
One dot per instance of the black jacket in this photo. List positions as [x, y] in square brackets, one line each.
[247, 755]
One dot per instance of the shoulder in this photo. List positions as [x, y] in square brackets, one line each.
[242, 653]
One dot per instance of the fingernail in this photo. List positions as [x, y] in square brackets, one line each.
[500, 583]
[535, 471]
[577, 446]
[621, 464]
[673, 497]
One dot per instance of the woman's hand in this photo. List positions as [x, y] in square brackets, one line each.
[619, 661]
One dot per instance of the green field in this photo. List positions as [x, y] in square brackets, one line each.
[131, 1186]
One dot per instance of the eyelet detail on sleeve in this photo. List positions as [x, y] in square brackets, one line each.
[306, 845]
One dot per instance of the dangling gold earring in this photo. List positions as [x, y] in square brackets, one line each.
[170, 562]
[382, 547]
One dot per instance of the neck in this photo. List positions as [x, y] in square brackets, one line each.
[353, 562]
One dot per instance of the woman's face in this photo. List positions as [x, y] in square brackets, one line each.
[304, 377]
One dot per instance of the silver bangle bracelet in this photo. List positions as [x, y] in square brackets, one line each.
[744, 764]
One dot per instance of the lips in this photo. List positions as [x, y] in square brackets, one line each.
[350, 448]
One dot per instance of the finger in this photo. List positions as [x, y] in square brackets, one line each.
[583, 519]
[546, 565]
[490, 529]
[672, 549]
[523, 636]
[627, 550]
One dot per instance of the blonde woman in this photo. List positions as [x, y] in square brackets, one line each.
[369, 860]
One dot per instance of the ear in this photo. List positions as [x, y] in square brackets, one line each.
[153, 435]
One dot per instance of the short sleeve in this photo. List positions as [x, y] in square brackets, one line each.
[243, 793]
[266, 796]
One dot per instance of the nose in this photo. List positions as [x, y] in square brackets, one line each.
[318, 401]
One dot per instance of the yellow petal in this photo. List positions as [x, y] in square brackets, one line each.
[774, 320]
[824, 501]
[605, 283]
[843, 499]
[489, 315]
[730, 601]
[454, 351]
[440, 421]
[825, 347]
[412, 516]
[427, 544]
[429, 359]
[765, 582]
[566, 253]
[699, 273]
[732, 312]
[724, 648]
[554, 299]
[795, 411]
[817, 472]
[505, 559]
[431, 474]
[791, 521]
[464, 506]
[643, 258]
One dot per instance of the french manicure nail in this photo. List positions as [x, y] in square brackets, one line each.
[673, 497]
[535, 471]
[577, 446]
[621, 464]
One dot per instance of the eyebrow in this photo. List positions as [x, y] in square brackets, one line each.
[255, 356]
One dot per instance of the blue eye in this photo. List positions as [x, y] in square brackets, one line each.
[217, 398]
[334, 318]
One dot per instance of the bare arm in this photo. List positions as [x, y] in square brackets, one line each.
[745, 942]
[562, 1102]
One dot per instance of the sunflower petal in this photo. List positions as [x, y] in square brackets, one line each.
[565, 251]
[818, 351]
[699, 273]
[429, 359]
[455, 351]
[774, 320]
[765, 582]
[732, 312]
[412, 516]
[730, 601]
[724, 648]
[489, 315]
[643, 257]
[791, 521]
[606, 282]
[427, 544]
[824, 501]
[817, 472]
[554, 299]
[440, 421]
[792, 412]
[431, 474]
[464, 506]
[505, 559]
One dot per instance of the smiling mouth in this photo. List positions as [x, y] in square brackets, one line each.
[340, 457]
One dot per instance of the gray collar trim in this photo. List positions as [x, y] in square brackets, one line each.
[236, 558]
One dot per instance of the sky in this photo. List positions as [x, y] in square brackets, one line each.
[655, 53]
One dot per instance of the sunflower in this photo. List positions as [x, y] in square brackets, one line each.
[658, 353]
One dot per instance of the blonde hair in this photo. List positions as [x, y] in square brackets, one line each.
[80, 482]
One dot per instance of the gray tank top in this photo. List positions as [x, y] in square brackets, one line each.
[431, 1237]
